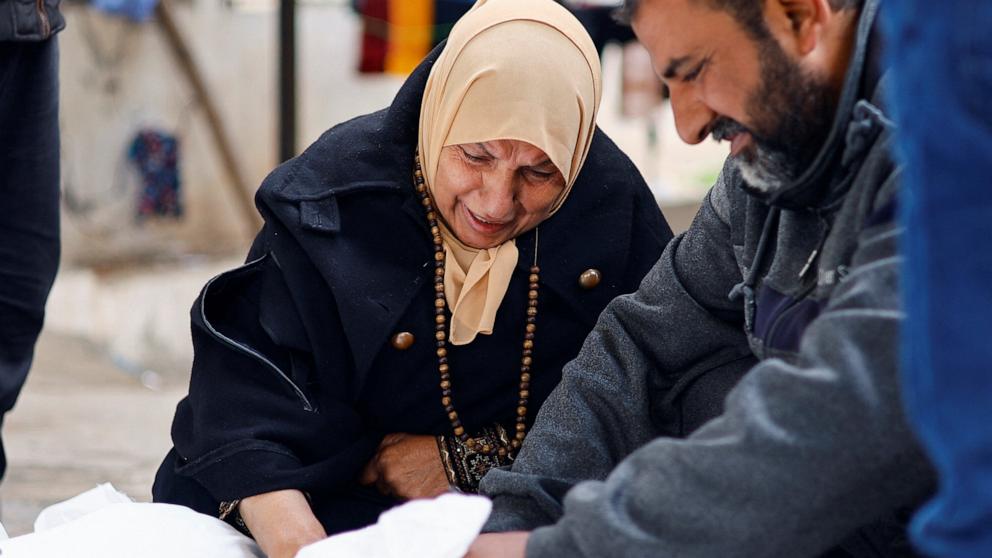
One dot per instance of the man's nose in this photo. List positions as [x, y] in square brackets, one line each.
[692, 116]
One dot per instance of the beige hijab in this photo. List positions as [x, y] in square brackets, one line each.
[512, 69]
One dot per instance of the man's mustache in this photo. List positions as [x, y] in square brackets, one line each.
[724, 128]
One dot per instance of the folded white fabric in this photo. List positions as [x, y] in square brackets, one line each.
[78, 506]
[440, 528]
[104, 523]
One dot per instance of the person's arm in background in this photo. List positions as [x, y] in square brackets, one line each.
[940, 55]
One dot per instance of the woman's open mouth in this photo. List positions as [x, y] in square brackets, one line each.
[484, 226]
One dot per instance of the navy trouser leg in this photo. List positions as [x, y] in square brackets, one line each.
[29, 205]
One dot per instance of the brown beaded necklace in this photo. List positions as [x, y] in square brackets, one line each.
[440, 303]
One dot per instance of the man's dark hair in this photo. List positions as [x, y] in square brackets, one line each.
[748, 12]
[625, 14]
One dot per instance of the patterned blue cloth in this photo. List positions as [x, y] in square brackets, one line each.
[941, 54]
[135, 10]
[156, 155]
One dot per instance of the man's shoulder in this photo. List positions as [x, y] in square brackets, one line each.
[871, 141]
[726, 196]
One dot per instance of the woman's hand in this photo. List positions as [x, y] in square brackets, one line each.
[281, 522]
[408, 467]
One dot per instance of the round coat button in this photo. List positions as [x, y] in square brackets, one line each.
[590, 278]
[402, 340]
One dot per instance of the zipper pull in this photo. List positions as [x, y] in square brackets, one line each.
[809, 263]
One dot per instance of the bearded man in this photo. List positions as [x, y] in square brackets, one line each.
[792, 260]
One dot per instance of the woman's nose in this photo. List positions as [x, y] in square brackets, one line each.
[497, 196]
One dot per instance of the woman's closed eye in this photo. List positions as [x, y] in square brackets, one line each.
[478, 158]
[538, 175]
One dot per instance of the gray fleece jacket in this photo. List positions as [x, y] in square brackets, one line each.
[813, 442]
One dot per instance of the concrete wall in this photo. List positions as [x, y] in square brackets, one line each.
[119, 76]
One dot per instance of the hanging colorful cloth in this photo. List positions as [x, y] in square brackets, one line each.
[155, 153]
[397, 34]
[411, 27]
[136, 10]
[375, 35]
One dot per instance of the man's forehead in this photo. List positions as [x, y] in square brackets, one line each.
[670, 21]
[677, 31]
[650, 10]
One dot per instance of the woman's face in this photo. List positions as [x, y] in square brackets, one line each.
[490, 192]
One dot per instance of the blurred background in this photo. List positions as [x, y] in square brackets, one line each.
[172, 114]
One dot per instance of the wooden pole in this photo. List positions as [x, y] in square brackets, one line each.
[242, 195]
[287, 79]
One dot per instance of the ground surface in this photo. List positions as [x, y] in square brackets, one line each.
[81, 421]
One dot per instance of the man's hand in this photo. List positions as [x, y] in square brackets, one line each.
[281, 522]
[500, 545]
[408, 467]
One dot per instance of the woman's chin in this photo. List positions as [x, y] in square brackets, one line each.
[482, 239]
[480, 244]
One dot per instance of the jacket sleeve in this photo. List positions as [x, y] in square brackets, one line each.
[611, 397]
[808, 451]
[649, 234]
[257, 418]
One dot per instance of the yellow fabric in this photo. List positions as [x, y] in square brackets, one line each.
[411, 28]
[512, 69]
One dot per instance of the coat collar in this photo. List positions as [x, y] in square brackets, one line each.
[862, 76]
[356, 250]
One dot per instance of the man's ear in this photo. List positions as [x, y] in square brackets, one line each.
[805, 20]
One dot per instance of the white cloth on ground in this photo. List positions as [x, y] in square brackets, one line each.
[105, 523]
[440, 528]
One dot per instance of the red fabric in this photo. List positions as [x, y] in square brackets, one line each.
[375, 35]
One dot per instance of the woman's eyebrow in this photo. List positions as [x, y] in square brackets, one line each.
[482, 146]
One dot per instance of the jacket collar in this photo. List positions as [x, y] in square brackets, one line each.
[811, 188]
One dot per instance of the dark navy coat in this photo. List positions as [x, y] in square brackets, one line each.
[294, 379]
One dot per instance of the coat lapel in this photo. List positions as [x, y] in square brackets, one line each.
[349, 201]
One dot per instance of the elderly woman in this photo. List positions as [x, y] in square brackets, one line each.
[423, 274]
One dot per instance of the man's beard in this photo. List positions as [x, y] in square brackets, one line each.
[791, 114]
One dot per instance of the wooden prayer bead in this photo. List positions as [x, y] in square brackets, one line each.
[440, 319]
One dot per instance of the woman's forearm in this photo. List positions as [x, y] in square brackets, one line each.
[281, 522]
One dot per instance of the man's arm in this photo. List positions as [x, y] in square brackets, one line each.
[679, 320]
[804, 454]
